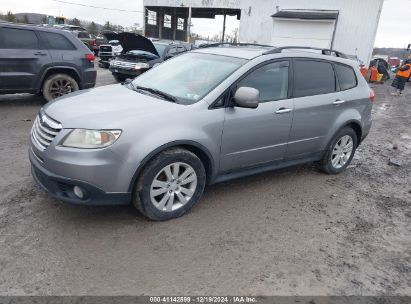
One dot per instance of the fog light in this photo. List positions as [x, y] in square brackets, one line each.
[78, 192]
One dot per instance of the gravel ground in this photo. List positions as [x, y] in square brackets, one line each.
[289, 232]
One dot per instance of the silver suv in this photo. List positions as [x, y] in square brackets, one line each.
[204, 117]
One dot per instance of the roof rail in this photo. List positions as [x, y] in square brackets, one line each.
[323, 51]
[232, 44]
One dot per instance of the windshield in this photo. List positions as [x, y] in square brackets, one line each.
[160, 48]
[189, 77]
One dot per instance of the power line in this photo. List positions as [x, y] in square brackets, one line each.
[99, 7]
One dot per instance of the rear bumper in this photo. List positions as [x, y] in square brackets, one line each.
[62, 188]
[89, 78]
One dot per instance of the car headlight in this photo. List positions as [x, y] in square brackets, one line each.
[91, 139]
[141, 65]
[117, 53]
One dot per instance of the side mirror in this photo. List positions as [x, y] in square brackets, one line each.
[246, 97]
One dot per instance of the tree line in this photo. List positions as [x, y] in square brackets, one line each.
[91, 26]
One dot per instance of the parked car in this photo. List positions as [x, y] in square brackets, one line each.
[140, 54]
[43, 60]
[207, 116]
[108, 51]
[82, 34]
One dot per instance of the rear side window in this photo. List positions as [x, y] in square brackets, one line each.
[19, 39]
[313, 78]
[55, 41]
[271, 80]
[346, 77]
[83, 35]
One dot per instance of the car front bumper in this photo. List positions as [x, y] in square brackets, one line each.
[126, 72]
[62, 188]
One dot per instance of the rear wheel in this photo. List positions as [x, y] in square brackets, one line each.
[58, 85]
[340, 152]
[170, 185]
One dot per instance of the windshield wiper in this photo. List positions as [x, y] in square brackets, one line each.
[157, 92]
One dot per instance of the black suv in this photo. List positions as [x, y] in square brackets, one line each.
[140, 54]
[35, 59]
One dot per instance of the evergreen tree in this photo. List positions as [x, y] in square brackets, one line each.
[92, 28]
[10, 17]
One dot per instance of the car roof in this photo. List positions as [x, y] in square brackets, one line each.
[239, 52]
[34, 27]
[251, 52]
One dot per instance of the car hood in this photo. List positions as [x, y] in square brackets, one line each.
[131, 42]
[107, 107]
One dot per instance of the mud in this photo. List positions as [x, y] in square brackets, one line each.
[289, 232]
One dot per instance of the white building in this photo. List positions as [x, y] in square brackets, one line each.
[348, 26]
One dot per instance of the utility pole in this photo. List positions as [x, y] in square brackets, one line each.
[222, 37]
[189, 24]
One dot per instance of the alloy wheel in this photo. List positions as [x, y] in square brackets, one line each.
[173, 186]
[342, 152]
[60, 87]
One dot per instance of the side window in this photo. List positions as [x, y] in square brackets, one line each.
[271, 80]
[83, 35]
[313, 78]
[346, 76]
[181, 49]
[56, 41]
[19, 39]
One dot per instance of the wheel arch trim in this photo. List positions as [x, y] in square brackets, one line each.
[62, 67]
[178, 143]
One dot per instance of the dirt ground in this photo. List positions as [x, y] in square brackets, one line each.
[289, 232]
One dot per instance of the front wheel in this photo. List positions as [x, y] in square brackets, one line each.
[340, 152]
[170, 185]
[119, 78]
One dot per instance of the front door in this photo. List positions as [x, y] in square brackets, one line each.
[253, 137]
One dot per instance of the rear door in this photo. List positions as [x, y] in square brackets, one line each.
[21, 60]
[259, 136]
[317, 104]
[61, 50]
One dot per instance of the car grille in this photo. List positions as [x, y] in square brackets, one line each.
[44, 131]
[122, 64]
[105, 48]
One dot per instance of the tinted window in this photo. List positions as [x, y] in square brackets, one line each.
[271, 80]
[56, 41]
[346, 77]
[83, 35]
[313, 78]
[19, 39]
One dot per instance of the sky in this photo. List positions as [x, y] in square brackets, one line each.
[394, 28]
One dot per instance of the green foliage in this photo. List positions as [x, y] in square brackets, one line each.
[10, 17]
[75, 21]
[107, 26]
[92, 28]
[25, 19]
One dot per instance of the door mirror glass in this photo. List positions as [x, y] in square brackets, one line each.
[246, 97]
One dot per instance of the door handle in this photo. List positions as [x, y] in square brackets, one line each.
[338, 101]
[283, 111]
[40, 53]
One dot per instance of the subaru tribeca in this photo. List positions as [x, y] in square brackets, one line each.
[204, 117]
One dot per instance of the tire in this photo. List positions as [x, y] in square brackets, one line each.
[334, 152]
[57, 85]
[119, 78]
[161, 207]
